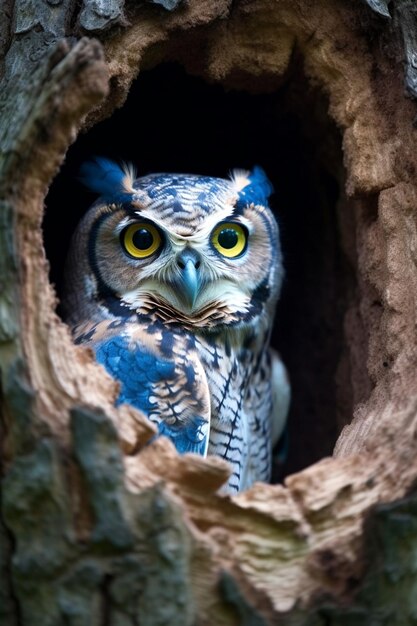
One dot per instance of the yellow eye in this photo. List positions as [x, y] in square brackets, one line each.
[229, 239]
[141, 240]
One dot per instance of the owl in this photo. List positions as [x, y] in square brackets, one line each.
[172, 280]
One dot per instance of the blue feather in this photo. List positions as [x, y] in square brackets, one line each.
[258, 190]
[106, 178]
[139, 373]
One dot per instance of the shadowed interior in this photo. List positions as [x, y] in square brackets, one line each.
[173, 122]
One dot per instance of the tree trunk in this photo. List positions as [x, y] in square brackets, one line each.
[98, 528]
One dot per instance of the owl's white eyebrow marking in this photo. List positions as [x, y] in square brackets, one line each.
[126, 221]
[200, 233]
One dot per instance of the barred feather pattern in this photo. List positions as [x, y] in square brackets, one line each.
[240, 432]
[180, 377]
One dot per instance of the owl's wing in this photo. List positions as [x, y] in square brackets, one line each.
[281, 396]
[171, 391]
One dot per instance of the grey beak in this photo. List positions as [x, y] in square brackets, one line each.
[189, 262]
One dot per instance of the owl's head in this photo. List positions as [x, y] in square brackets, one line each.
[199, 251]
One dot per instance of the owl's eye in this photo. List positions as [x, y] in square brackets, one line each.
[229, 239]
[141, 240]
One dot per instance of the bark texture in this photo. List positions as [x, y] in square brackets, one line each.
[97, 528]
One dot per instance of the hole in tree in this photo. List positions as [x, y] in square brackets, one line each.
[174, 122]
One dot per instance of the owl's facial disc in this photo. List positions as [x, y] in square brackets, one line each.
[207, 276]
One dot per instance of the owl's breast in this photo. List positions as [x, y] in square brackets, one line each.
[204, 394]
[239, 381]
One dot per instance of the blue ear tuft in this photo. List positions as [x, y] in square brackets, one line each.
[259, 188]
[106, 178]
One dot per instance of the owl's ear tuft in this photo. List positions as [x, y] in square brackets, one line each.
[108, 179]
[258, 188]
[260, 183]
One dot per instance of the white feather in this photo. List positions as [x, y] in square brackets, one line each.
[240, 179]
[281, 396]
[129, 178]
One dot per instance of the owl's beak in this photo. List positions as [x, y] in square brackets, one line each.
[189, 284]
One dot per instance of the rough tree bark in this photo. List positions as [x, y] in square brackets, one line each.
[96, 527]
